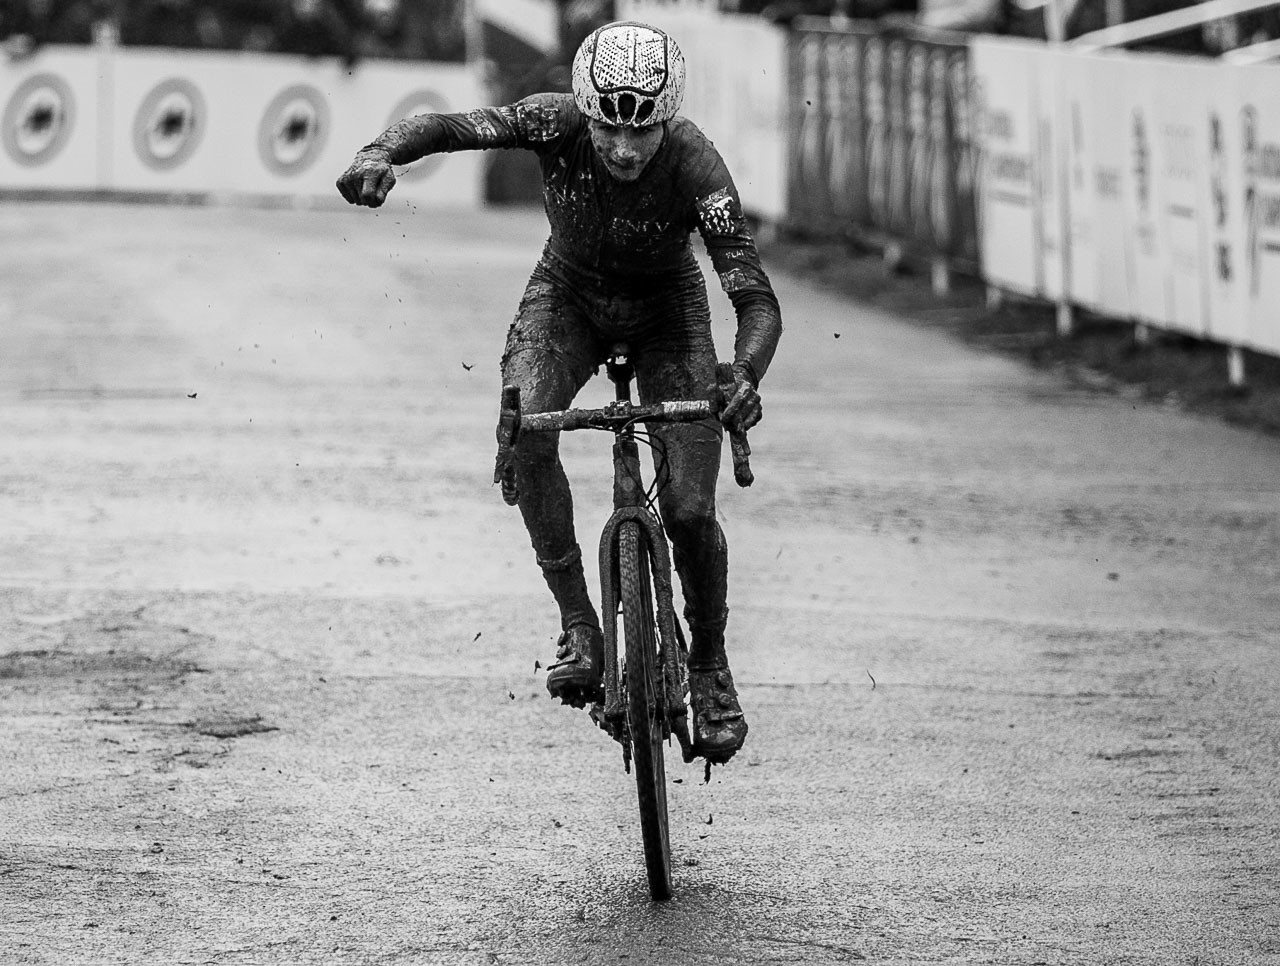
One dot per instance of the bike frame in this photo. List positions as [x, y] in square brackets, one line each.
[635, 575]
[621, 417]
[630, 504]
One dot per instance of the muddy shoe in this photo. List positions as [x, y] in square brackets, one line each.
[577, 676]
[719, 726]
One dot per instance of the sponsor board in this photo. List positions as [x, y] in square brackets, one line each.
[1144, 205]
[1258, 125]
[207, 122]
[1008, 136]
[1223, 196]
[1078, 144]
[1170, 169]
[169, 124]
[49, 119]
[1050, 144]
[1180, 107]
[1099, 115]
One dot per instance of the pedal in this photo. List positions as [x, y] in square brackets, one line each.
[614, 729]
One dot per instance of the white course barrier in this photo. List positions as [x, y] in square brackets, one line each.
[1143, 186]
[219, 122]
[51, 114]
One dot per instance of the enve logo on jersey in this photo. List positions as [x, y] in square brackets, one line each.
[38, 120]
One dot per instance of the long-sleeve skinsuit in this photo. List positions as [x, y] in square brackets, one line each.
[618, 266]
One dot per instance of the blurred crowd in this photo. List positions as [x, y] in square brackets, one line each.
[436, 29]
[350, 29]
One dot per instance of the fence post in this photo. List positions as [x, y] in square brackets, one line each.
[940, 273]
[1235, 366]
[1066, 320]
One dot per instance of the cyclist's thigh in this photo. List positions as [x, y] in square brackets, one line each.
[690, 451]
[551, 349]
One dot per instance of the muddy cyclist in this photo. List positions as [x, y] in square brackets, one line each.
[626, 181]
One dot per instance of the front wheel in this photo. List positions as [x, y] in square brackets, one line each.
[645, 713]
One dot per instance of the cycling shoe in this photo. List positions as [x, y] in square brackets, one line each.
[577, 676]
[719, 726]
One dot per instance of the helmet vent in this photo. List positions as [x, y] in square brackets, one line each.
[626, 108]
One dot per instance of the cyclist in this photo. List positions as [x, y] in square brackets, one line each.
[625, 183]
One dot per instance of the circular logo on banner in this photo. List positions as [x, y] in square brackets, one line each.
[169, 124]
[411, 105]
[293, 129]
[38, 119]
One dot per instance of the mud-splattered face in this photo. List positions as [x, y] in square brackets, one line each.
[625, 151]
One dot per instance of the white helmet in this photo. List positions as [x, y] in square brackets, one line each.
[628, 74]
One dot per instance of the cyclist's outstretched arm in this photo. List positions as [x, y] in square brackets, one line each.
[534, 122]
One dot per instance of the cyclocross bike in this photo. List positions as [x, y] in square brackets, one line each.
[645, 686]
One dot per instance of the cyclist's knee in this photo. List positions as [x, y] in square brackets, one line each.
[690, 520]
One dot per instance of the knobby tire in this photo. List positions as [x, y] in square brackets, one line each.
[644, 704]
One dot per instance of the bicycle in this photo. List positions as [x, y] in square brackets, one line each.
[644, 702]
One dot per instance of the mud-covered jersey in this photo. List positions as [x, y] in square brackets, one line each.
[627, 234]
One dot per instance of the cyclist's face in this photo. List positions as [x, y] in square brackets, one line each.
[625, 151]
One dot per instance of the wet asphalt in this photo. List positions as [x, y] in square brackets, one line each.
[270, 641]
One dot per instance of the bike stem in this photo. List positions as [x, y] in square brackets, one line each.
[627, 487]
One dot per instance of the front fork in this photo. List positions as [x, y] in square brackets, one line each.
[672, 652]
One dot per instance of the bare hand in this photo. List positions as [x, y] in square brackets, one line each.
[368, 179]
[743, 410]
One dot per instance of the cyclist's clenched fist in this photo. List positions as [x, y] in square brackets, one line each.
[368, 179]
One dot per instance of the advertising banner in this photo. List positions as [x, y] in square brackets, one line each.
[49, 119]
[206, 122]
[1142, 188]
[1103, 119]
[220, 122]
[1226, 281]
[1079, 145]
[179, 123]
[1004, 77]
[1051, 137]
[1181, 112]
[1259, 120]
